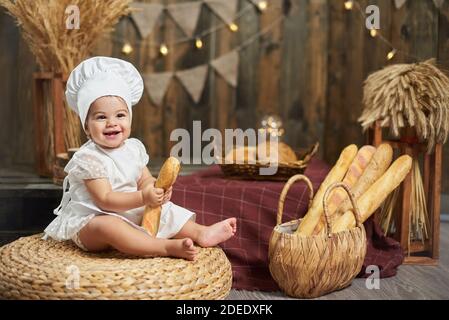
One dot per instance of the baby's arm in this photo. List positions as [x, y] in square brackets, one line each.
[107, 200]
[145, 179]
[148, 179]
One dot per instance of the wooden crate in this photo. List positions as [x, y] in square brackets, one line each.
[416, 252]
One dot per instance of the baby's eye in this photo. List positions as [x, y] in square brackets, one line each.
[121, 115]
[100, 117]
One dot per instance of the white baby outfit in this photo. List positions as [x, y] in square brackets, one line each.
[122, 167]
[91, 79]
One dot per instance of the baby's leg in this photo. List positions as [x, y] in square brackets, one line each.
[209, 236]
[105, 231]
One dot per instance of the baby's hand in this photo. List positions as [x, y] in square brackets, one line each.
[147, 182]
[152, 196]
[167, 195]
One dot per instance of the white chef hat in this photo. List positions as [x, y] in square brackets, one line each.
[102, 76]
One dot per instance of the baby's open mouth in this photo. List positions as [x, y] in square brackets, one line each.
[112, 133]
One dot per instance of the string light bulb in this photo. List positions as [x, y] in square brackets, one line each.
[127, 48]
[163, 49]
[349, 4]
[233, 27]
[373, 33]
[262, 5]
[391, 54]
[198, 43]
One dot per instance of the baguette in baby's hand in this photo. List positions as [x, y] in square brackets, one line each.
[167, 177]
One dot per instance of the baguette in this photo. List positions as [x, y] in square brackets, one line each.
[376, 168]
[335, 175]
[373, 198]
[167, 177]
[353, 175]
[168, 173]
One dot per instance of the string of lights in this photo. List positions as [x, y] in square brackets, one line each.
[376, 33]
[262, 6]
[198, 39]
[260, 33]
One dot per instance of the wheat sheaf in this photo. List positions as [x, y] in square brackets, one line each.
[409, 95]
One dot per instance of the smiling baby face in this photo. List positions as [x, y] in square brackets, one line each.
[108, 123]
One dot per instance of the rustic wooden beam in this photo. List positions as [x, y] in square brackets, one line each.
[404, 219]
[38, 103]
[57, 89]
[436, 165]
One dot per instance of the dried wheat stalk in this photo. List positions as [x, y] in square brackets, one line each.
[387, 212]
[43, 26]
[59, 49]
[420, 223]
[419, 217]
[409, 95]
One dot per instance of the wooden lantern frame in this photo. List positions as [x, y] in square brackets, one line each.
[427, 253]
[57, 83]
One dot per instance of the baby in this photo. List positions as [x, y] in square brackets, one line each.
[109, 182]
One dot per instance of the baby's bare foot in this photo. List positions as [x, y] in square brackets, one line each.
[182, 248]
[217, 233]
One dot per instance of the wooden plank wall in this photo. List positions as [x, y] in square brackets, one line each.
[17, 64]
[309, 70]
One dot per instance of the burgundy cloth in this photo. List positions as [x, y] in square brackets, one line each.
[382, 251]
[254, 203]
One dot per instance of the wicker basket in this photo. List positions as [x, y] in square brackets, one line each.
[285, 170]
[312, 266]
[32, 268]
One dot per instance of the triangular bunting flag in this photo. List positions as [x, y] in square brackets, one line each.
[145, 16]
[399, 3]
[227, 67]
[193, 81]
[157, 85]
[438, 3]
[186, 15]
[225, 9]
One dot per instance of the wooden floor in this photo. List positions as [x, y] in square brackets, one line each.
[411, 282]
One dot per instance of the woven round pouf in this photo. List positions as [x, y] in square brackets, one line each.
[32, 268]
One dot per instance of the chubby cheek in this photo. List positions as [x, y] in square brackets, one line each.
[126, 128]
[95, 129]
[99, 129]
[126, 132]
